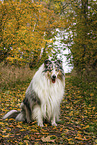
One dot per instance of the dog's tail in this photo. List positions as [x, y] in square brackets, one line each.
[11, 114]
[19, 116]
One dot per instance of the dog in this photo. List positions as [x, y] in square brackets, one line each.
[43, 96]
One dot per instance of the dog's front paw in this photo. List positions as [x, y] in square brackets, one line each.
[29, 121]
[40, 124]
[54, 124]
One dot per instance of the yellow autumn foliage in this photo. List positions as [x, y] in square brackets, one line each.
[26, 30]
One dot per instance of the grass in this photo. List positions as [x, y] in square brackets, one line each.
[10, 76]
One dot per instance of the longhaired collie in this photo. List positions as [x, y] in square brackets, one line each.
[43, 96]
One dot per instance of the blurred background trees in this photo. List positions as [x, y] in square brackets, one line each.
[28, 30]
[83, 35]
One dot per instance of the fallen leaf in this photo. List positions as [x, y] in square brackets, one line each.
[19, 126]
[61, 129]
[5, 136]
[96, 141]
[79, 138]
[87, 126]
[26, 136]
[21, 143]
[22, 129]
[71, 113]
[91, 94]
[48, 138]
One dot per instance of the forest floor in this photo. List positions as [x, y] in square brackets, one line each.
[77, 124]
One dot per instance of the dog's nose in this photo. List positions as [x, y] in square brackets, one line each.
[54, 77]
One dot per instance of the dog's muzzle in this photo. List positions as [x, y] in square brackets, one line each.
[53, 78]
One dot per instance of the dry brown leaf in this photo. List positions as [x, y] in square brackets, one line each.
[48, 138]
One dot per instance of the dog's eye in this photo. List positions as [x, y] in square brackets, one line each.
[50, 68]
[57, 69]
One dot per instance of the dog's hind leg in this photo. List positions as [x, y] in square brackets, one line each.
[27, 112]
[26, 107]
[28, 116]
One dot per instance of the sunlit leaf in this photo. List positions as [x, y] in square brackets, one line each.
[48, 138]
[87, 126]
[6, 136]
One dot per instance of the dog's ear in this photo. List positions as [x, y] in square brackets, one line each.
[47, 62]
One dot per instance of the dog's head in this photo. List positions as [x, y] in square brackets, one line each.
[53, 70]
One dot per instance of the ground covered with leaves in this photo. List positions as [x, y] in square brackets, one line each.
[77, 120]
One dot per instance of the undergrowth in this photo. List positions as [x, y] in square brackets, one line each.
[10, 76]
